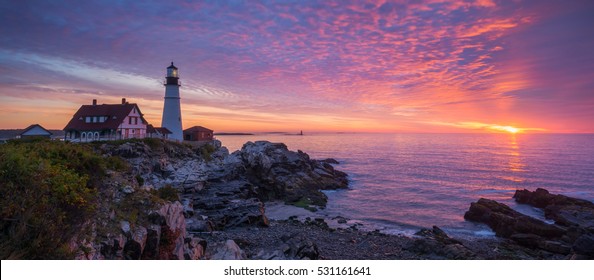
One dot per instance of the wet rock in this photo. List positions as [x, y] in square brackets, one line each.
[506, 221]
[564, 210]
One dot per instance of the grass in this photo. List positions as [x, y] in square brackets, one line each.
[304, 203]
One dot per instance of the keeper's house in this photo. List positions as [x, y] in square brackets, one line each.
[106, 122]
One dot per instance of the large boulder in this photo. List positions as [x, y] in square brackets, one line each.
[507, 222]
[572, 234]
[564, 210]
[290, 176]
[228, 251]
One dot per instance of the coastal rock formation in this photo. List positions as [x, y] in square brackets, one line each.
[277, 173]
[572, 233]
[436, 241]
[564, 210]
[163, 236]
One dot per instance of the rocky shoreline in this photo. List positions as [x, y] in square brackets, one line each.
[179, 201]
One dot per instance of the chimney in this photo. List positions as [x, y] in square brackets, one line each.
[94, 102]
[123, 100]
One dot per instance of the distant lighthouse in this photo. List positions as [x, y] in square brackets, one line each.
[171, 109]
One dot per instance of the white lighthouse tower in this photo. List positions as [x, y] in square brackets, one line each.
[171, 109]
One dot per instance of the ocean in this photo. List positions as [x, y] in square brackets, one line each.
[400, 183]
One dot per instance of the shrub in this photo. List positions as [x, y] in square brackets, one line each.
[47, 189]
[140, 180]
[206, 151]
[168, 193]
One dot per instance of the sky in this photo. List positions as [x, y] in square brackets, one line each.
[338, 66]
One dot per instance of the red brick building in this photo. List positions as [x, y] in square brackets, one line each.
[198, 133]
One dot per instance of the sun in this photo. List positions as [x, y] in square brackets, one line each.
[511, 129]
[505, 128]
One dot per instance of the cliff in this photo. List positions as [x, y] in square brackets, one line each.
[141, 199]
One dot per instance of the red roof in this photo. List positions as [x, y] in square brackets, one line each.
[115, 114]
[196, 128]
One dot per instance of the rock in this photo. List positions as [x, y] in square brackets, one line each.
[195, 225]
[173, 231]
[556, 247]
[329, 160]
[125, 226]
[188, 207]
[135, 245]
[584, 245]
[290, 176]
[541, 198]
[564, 210]
[436, 241]
[527, 239]
[194, 248]
[153, 240]
[128, 189]
[506, 221]
[229, 251]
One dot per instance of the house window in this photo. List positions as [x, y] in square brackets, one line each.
[94, 119]
[97, 135]
[135, 120]
[88, 119]
[83, 135]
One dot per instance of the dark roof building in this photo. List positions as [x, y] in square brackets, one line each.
[35, 130]
[198, 133]
[106, 122]
[157, 132]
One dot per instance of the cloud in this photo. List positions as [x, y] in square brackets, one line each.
[345, 62]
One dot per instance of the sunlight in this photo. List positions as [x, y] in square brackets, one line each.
[506, 128]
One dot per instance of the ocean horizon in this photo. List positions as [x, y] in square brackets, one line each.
[401, 182]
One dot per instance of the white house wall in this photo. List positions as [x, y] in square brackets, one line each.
[133, 130]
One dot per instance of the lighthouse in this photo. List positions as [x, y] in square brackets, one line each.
[171, 108]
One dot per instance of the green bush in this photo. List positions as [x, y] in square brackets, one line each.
[206, 151]
[168, 193]
[47, 189]
[140, 180]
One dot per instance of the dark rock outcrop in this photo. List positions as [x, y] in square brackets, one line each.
[278, 173]
[436, 241]
[507, 222]
[564, 210]
[572, 234]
